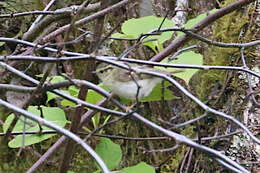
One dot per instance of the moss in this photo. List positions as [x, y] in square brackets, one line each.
[211, 84]
[83, 162]
[174, 161]
[12, 163]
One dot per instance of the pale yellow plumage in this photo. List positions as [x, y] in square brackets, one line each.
[123, 82]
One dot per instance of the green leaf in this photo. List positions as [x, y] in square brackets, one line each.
[157, 94]
[189, 57]
[133, 28]
[192, 22]
[142, 167]
[29, 139]
[73, 91]
[119, 35]
[53, 79]
[51, 95]
[52, 114]
[143, 25]
[110, 153]
[2, 43]
[98, 171]
[66, 102]
[92, 97]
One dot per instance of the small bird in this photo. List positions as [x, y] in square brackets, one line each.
[124, 82]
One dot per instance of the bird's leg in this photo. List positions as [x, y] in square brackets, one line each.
[130, 108]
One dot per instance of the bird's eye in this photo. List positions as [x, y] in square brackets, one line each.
[101, 71]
